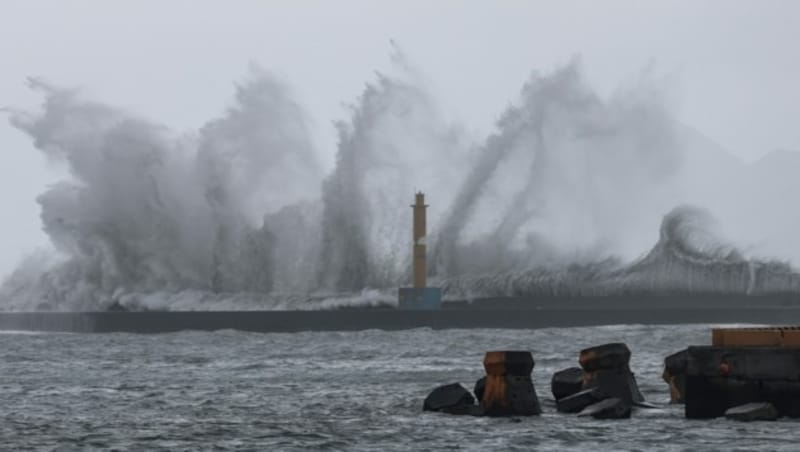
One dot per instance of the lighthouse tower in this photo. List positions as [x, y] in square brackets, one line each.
[420, 296]
[420, 264]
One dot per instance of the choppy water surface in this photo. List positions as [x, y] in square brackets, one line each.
[337, 391]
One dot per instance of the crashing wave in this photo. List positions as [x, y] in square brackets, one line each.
[689, 258]
[240, 215]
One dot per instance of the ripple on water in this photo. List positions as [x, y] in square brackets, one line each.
[328, 391]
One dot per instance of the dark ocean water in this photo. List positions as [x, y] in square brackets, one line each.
[329, 391]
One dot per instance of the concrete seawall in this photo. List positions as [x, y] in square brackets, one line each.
[388, 319]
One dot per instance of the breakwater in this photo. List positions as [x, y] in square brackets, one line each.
[496, 313]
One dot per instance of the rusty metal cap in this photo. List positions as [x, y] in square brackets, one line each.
[501, 363]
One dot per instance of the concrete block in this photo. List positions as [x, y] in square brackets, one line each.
[759, 363]
[509, 390]
[620, 383]
[480, 386]
[719, 378]
[566, 382]
[501, 363]
[452, 398]
[675, 375]
[580, 400]
[510, 395]
[606, 356]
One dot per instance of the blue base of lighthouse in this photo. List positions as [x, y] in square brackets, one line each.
[426, 298]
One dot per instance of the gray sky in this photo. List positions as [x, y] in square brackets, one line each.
[731, 67]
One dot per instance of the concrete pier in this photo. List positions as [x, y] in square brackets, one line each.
[521, 314]
[719, 378]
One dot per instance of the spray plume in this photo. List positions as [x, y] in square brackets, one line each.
[562, 198]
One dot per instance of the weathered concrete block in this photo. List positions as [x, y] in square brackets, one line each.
[709, 397]
[763, 411]
[452, 398]
[719, 378]
[752, 363]
[518, 363]
[612, 408]
[636, 394]
[510, 395]
[580, 400]
[620, 383]
[509, 390]
[675, 375]
[566, 382]
[784, 395]
[676, 362]
[480, 386]
[606, 356]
